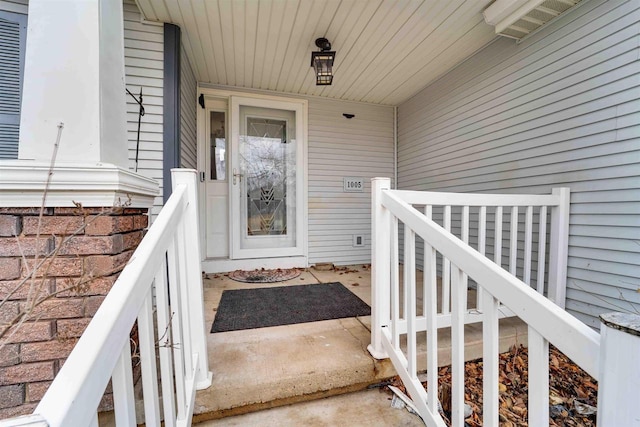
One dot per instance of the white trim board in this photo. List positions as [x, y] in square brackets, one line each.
[223, 265]
[92, 185]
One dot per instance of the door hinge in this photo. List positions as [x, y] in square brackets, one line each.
[202, 176]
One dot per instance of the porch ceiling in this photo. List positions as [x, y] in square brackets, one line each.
[386, 50]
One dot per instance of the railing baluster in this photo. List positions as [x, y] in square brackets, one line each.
[124, 402]
[165, 338]
[538, 379]
[482, 243]
[187, 347]
[446, 266]
[148, 362]
[428, 213]
[176, 328]
[513, 245]
[395, 284]
[497, 241]
[528, 239]
[490, 341]
[459, 308]
[490, 338]
[465, 224]
[542, 248]
[410, 298]
[431, 312]
[465, 238]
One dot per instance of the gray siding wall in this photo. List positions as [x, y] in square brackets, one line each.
[188, 134]
[560, 109]
[143, 51]
[339, 147]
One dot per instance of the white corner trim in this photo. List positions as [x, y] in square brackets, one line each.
[22, 184]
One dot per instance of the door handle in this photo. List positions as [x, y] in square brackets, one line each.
[236, 175]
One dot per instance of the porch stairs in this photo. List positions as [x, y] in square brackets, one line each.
[269, 367]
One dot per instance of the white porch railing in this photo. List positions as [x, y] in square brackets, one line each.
[167, 261]
[500, 293]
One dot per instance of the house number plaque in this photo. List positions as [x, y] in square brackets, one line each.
[353, 185]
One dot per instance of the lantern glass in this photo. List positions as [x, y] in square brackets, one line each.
[322, 63]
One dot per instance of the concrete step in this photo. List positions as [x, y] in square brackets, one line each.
[359, 409]
[270, 367]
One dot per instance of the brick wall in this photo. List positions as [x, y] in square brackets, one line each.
[83, 252]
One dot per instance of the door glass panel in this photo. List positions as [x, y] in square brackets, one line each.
[217, 146]
[267, 154]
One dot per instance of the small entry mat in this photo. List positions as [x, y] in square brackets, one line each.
[285, 305]
[265, 276]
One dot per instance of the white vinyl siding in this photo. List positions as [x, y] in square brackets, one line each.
[188, 96]
[360, 147]
[144, 56]
[560, 109]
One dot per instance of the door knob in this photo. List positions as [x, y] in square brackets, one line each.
[236, 175]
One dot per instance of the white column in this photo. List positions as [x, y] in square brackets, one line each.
[74, 74]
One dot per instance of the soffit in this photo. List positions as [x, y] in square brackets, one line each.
[386, 50]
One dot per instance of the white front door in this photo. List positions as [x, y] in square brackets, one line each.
[267, 178]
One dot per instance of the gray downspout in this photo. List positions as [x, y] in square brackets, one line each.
[395, 148]
[171, 106]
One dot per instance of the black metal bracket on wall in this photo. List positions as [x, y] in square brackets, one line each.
[140, 114]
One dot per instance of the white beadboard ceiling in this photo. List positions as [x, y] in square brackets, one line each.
[386, 50]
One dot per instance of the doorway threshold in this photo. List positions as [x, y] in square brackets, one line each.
[223, 265]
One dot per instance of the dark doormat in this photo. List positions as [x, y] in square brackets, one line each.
[285, 305]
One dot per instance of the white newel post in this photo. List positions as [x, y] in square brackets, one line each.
[380, 266]
[559, 247]
[619, 382]
[194, 292]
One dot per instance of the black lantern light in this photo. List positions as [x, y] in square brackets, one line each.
[322, 62]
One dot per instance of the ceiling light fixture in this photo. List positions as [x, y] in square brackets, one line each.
[322, 62]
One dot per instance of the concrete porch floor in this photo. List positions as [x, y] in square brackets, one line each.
[270, 367]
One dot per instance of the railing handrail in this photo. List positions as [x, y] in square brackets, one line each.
[88, 368]
[103, 349]
[476, 199]
[610, 357]
[571, 336]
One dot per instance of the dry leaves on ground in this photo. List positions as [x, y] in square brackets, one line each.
[570, 389]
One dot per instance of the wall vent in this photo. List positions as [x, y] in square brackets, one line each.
[518, 19]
